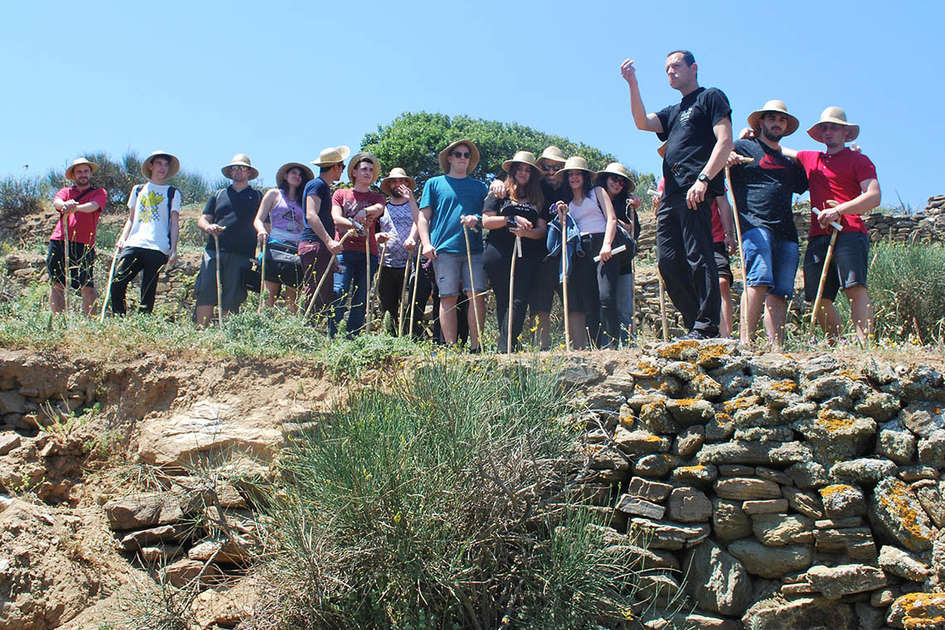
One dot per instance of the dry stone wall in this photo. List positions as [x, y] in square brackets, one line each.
[790, 493]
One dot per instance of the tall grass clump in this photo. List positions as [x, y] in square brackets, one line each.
[440, 504]
[21, 195]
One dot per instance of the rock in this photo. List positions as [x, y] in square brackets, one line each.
[770, 562]
[665, 535]
[903, 564]
[807, 503]
[9, 441]
[868, 617]
[818, 366]
[764, 434]
[754, 453]
[808, 474]
[846, 579]
[742, 489]
[923, 418]
[226, 609]
[914, 473]
[841, 501]
[774, 475]
[776, 530]
[774, 366]
[654, 416]
[840, 523]
[896, 511]
[879, 406]
[640, 507]
[12, 402]
[147, 510]
[826, 387]
[729, 522]
[897, 445]
[639, 442]
[688, 505]
[736, 470]
[141, 538]
[917, 610]
[808, 613]
[882, 597]
[865, 471]
[227, 552]
[700, 476]
[666, 620]
[932, 449]
[579, 376]
[716, 580]
[649, 490]
[765, 506]
[689, 441]
[856, 542]
[655, 466]
[703, 386]
[930, 497]
[183, 573]
[690, 411]
[720, 428]
[835, 435]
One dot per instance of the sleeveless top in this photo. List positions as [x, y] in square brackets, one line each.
[286, 218]
[588, 215]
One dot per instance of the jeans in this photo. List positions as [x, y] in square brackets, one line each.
[625, 306]
[354, 283]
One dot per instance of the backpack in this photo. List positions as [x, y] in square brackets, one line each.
[171, 191]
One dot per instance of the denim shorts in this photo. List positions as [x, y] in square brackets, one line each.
[452, 273]
[770, 261]
[847, 267]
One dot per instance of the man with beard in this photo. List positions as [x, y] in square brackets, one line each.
[80, 207]
[763, 190]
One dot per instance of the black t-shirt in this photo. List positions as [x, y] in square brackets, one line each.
[687, 126]
[502, 239]
[234, 210]
[551, 194]
[626, 213]
[319, 189]
[763, 189]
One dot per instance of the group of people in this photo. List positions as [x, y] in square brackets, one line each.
[553, 225]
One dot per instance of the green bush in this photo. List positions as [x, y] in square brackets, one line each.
[21, 195]
[437, 504]
[907, 287]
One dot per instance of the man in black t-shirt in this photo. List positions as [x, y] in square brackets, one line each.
[698, 135]
[228, 215]
[763, 191]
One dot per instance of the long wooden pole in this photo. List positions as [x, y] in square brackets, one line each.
[326, 274]
[418, 269]
[108, 284]
[262, 275]
[823, 274]
[562, 221]
[663, 321]
[743, 331]
[67, 284]
[216, 244]
[472, 282]
[510, 311]
[402, 304]
[367, 281]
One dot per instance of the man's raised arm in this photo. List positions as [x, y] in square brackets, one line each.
[644, 121]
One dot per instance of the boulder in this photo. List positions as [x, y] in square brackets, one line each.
[640, 507]
[932, 449]
[754, 453]
[742, 489]
[666, 535]
[688, 505]
[903, 564]
[865, 471]
[770, 562]
[803, 501]
[841, 501]
[145, 510]
[729, 521]
[808, 474]
[931, 498]
[897, 445]
[922, 418]
[809, 613]
[765, 506]
[649, 490]
[639, 442]
[846, 579]
[716, 580]
[689, 441]
[897, 512]
[690, 411]
[776, 530]
[917, 610]
[836, 435]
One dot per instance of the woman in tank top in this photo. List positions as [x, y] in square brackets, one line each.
[617, 181]
[592, 287]
[282, 209]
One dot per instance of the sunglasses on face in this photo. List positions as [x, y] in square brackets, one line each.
[237, 168]
[462, 154]
[549, 168]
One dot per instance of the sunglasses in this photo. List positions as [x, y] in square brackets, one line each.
[462, 154]
[238, 168]
[549, 168]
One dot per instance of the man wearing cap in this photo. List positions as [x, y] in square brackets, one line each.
[450, 203]
[318, 242]
[357, 208]
[79, 206]
[229, 216]
[763, 190]
[698, 133]
[148, 240]
[849, 179]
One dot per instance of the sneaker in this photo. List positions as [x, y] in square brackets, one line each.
[694, 335]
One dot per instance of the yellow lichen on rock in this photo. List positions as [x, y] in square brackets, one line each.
[837, 488]
[675, 350]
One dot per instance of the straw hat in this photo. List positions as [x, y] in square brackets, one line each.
[837, 116]
[521, 157]
[79, 162]
[172, 167]
[360, 157]
[553, 154]
[473, 158]
[307, 174]
[573, 163]
[777, 107]
[240, 159]
[332, 155]
[397, 173]
[616, 168]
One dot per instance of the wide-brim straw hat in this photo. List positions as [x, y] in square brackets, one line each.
[473, 158]
[573, 163]
[240, 159]
[173, 165]
[553, 154]
[79, 162]
[837, 116]
[773, 106]
[332, 155]
[522, 157]
[360, 157]
[397, 173]
[616, 168]
[307, 174]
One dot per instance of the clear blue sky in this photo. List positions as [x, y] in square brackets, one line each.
[279, 80]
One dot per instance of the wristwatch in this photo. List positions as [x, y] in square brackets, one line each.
[703, 178]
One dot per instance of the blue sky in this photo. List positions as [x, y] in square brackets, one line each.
[279, 80]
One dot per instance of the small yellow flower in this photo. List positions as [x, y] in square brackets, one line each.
[628, 614]
[397, 518]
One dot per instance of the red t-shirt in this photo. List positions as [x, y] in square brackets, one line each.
[836, 176]
[352, 205]
[82, 225]
[718, 230]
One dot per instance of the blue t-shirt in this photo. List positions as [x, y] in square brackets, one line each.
[322, 193]
[449, 199]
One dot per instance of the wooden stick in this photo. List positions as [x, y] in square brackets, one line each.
[108, 285]
[516, 253]
[367, 282]
[67, 284]
[472, 288]
[823, 274]
[403, 298]
[262, 276]
[326, 274]
[743, 331]
[216, 243]
[418, 269]
[562, 221]
[380, 263]
[663, 321]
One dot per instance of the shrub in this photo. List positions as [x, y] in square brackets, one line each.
[907, 287]
[438, 505]
[21, 195]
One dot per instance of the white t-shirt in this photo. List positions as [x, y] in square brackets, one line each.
[150, 228]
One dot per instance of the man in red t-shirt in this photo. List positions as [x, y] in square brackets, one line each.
[849, 178]
[81, 205]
